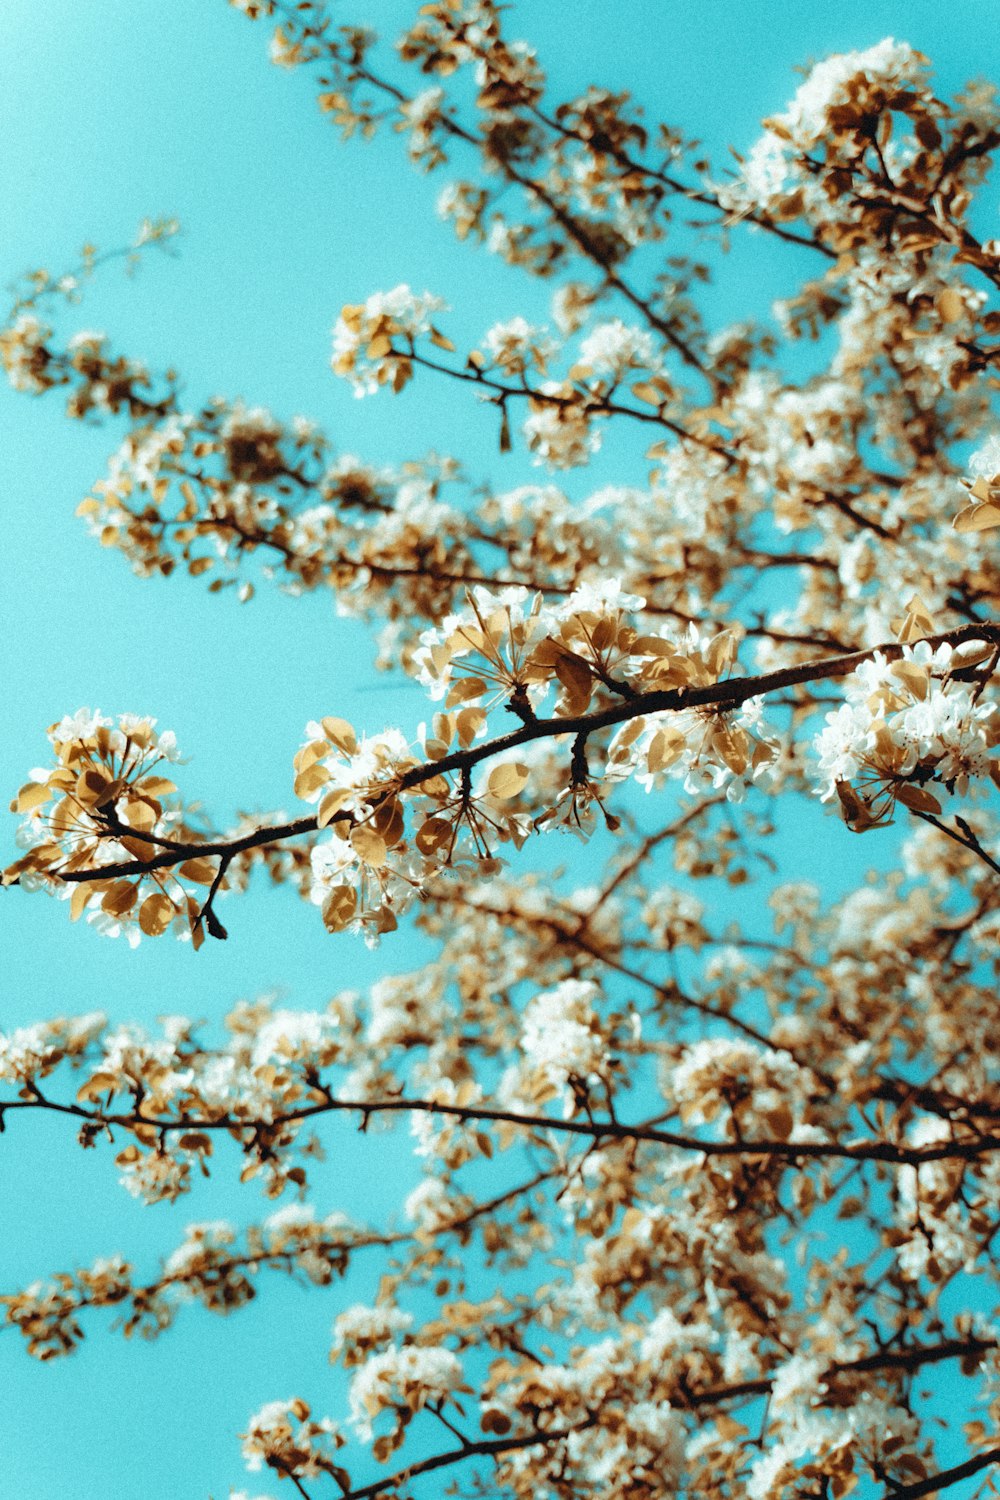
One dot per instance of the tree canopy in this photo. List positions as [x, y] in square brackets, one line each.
[704, 1183]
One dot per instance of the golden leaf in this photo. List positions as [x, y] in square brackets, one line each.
[950, 305]
[463, 689]
[156, 914]
[369, 846]
[333, 803]
[340, 733]
[78, 901]
[310, 780]
[339, 908]
[155, 786]
[918, 798]
[432, 835]
[201, 871]
[140, 817]
[31, 795]
[977, 518]
[120, 897]
[507, 780]
[387, 819]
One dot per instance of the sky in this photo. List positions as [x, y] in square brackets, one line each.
[110, 111]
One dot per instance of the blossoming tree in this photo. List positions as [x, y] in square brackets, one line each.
[703, 1207]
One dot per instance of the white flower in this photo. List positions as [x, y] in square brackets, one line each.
[561, 1035]
[613, 349]
[410, 1376]
[79, 726]
[558, 432]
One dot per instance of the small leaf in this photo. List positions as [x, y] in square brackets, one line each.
[339, 908]
[156, 914]
[977, 518]
[333, 803]
[33, 794]
[120, 898]
[155, 786]
[507, 780]
[918, 798]
[369, 846]
[433, 834]
[950, 305]
[340, 733]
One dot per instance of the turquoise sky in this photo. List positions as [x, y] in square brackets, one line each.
[111, 110]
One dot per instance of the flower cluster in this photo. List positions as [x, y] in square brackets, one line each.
[906, 723]
[840, 97]
[103, 805]
[283, 1436]
[373, 341]
[402, 1379]
[564, 1041]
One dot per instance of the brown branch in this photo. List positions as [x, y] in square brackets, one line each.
[944, 1477]
[592, 1129]
[722, 696]
[483, 1447]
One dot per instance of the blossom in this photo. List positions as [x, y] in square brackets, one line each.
[561, 1036]
[406, 1377]
[558, 430]
[613, 349]
[363, 336]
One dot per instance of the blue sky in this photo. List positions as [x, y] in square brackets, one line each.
[110, 112]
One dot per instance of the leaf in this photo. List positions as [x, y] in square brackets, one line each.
[369, 846]
[310, 780]
[156, 914]
[155, 786]
[652, 392]
[507, 780]
[977, 518]
[432, 835]
[201, 871]
[339, 908]
[918, 622]
[918, 798]
[78, 901]
[309, 754]
[33, 794]
[340, 733]
[463, 689]
[120, 897]
[96, 1085]
[469, 721]
[91, 785]
[333, 803]
[720, 653]
[731, 744]
[578, 680]
[664, 748]
[387, 819]
[140, 817]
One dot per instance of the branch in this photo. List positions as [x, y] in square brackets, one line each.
[944, 1477]
[592, 1129]
[722, 696]
[491, 1447]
